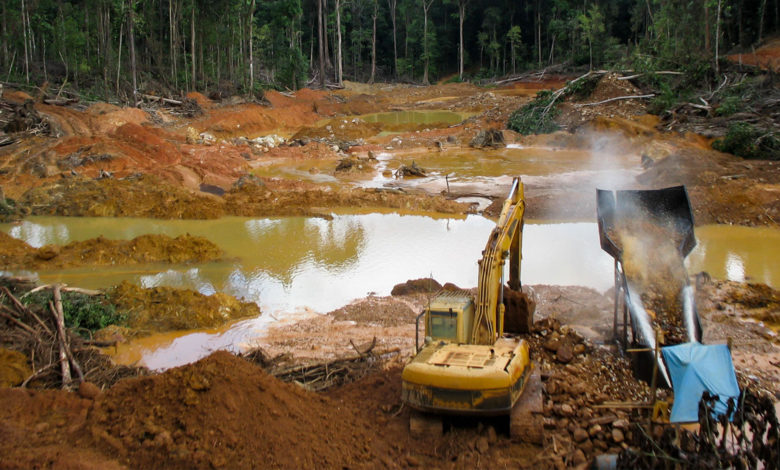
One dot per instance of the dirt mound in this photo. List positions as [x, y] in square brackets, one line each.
[145, 196]
[167, 309]
[13, 368]
[101, 252]
[16, 96]
[416, 286]
[224, 411]
[766, 57]
[199, 98]
[376, 310]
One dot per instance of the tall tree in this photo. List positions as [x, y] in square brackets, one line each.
[251, 47]
[426, 4]
[321, 43]
[462, 4]
[515, 37]
[339, 74]
[131, 44]
[373, 42]
[391, 5]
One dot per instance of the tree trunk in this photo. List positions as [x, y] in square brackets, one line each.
[707, 46]
[760, 21]
[391, 4]
[321, 43]
[717, 37]
[192, 43]
[426, 6]
[119, 59]
[171, 35]
[5, 35]
[538, 33]
[26, 56]
[461, 17]
[373, 44]
[339, 77]
[251, 48]
[328, 63]
[131, 41]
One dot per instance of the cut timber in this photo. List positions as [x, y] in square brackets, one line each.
[425, 425]
[526, 421]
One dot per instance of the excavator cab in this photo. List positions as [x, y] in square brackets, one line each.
[450, 317]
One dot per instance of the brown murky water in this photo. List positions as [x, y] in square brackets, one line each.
[596, 167]
[295, 266]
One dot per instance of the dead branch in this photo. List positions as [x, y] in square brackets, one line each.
[60, 321]
[659, 72]
[160, 99]
[19, 306]
[631, 97]
[367, 351]
[39, 373]
[18, 323]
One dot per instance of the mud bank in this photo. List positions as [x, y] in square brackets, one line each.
[16, 254]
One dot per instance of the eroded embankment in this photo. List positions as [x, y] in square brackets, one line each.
[16, 254]
[162, 309]
[147, 196]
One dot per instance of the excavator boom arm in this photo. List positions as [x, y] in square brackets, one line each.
[505, 241]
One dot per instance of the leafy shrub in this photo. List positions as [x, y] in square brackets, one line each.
[530, 119]
[747, 141]
[81, 310]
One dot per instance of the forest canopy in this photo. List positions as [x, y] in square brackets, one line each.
[110, 48]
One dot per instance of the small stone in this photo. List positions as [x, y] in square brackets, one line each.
[412, 461]
[579, 349]
[565, 353]
[620, 424]
[88, 390]
[586, 446]
[482, 444]
[579, 457]
[492, 437]
[580, 435]
[552, 344]
[595, 429]
[563, 423]
[567, 410]
[617, 436]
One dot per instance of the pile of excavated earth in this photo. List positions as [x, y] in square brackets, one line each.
[206, 159]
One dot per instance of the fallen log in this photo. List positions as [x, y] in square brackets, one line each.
[160, 99]
[631, 97]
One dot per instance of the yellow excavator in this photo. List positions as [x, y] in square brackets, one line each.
[468, 365]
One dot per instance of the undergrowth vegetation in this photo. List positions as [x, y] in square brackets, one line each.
[82, 312]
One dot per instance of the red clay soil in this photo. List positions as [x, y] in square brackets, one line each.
[766, 57]
[224, 412]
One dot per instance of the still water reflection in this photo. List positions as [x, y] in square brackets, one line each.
[292, 265]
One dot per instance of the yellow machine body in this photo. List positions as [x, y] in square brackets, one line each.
[467, 365]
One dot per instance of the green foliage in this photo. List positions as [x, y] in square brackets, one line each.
[747, 141]
[531, 119]
[81, 311]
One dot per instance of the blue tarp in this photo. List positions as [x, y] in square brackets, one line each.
[694, 368]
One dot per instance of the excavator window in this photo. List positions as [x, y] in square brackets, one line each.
[444, 325]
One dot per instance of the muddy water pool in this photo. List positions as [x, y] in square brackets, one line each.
[536, 164]
[294, 265]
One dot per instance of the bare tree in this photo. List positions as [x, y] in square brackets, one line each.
[192, 42]
[321, 43]
[131, 41]
[339, 73]
[391, 4]
[251, 48]
[373, 43]
[426, 7]
[462, 4]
